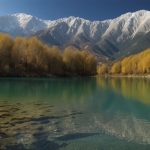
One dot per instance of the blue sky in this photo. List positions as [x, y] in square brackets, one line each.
[88, 9]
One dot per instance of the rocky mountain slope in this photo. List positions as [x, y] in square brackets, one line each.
[112, 38]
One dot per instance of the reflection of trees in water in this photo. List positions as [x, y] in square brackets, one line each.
[54, 89]
[38, 125]
[120, 116]
[72, 89]
[135, 88]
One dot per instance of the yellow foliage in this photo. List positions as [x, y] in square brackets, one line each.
[116, 68]
[29, 56]
[6, 44]
[102, 69]
[134, 64]
[139, 63]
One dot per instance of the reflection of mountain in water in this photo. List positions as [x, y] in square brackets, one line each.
[33, 124]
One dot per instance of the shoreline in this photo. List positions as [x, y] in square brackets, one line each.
[82, 76]
[125, 76]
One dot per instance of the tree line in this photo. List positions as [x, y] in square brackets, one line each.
[23, 56]
[134, 64]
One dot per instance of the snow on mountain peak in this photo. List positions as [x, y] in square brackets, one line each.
[129, 23]
[109, 35]
[21, 15]
[22, 18]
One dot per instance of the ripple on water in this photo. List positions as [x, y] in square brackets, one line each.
[32, 126]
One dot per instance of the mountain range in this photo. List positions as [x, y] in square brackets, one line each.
[110, 39]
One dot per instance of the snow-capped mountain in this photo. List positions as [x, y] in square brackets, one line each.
[126, 34]
[21, 24]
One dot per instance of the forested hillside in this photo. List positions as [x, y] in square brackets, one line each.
[134, 64]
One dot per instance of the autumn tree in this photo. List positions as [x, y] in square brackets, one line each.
[103, 69]
[146, 64]
[6, 44]
[71, 59]
[54, 60]
[89, 63]
[134, 64]
[19, 54]
[116, 68]
[30, 57]
[79, 62]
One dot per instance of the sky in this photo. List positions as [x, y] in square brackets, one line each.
[88, 9]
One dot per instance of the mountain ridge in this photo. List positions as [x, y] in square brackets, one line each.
[111, 38]
[27, 18]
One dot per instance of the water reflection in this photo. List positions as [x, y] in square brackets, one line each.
[46, 89]
[74, 113]
[133, 88]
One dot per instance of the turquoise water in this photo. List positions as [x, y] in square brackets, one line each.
[75, 114]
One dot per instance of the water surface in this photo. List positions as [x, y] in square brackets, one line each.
[75, 114]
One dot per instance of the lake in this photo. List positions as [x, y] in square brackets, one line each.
[90, 113]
